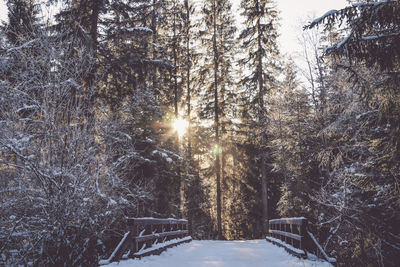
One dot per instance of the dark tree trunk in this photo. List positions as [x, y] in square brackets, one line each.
[188, 95]
[216, 123]
[261, 121]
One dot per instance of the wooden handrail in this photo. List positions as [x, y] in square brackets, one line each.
[154, 221]
[148, 236]
[286, 234]
[294, 232]
[298, 221]
[289, 230]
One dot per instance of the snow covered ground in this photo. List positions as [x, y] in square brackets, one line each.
[254, 253]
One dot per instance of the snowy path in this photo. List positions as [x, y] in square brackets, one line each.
[254, 253]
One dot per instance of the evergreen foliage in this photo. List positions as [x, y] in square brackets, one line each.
[88, 104]
[262, 55]
[215, 76]
[374, 34]
[23, 21]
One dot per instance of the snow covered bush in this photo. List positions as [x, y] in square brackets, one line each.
[55, 190]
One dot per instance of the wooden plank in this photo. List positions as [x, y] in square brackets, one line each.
[158, 251]
[146, 221]
[119, 250]
[156, 235]
[282, 233]
[290, 249]
[298, 221]
[322, 251]
[154, 229]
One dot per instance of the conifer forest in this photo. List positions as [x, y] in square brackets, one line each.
[188, 109]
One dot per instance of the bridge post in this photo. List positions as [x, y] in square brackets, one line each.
[146, 231]
[292, 231]
[296, 230]
[303, 233]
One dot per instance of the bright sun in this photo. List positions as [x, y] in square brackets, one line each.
[180, 126]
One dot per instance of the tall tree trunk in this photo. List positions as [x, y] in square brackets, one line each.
[321, 80]
[176, 110]
[261, 118]
[311, 78]
[216, 123]
[94, 21]
[188, 95]
[175, 70]
[281, 160]
[154, 28]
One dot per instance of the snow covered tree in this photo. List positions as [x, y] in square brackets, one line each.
[259, 41]
[216, 36]
[53, 206]
[360, 155]
[294, 139]
[373, 32]
[73, 167]
[23, 21]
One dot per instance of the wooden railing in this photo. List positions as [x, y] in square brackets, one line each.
[293, 235]
[292, 231]
[148, 236]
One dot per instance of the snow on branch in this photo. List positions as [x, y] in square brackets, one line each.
[27, 44]
[363, 4]
[132, 155]
[338, 45]
[345, 40]
[71, 82]
[157, 45]
[333, 13]
[376, 37]
[27, 107]
[140, 29]
[160, 63]
[322, 18]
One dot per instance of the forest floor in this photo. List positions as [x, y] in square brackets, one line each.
[252, 253]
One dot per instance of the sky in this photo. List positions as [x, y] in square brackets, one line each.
[295, 12]
[3, 10]
[292, 13]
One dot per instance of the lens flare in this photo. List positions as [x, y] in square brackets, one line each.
[180, 126]
[217, 149]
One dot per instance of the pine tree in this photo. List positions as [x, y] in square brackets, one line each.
[196, 191]
[361, 115]
[23, 21]
[188, 59]
[293, 140]
[216, 37]
[373, 32]
[259, 39]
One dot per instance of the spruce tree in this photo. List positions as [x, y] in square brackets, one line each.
[259, 41]
[216, 37]
[23, 21]
[293, 140]
[362, 120]
[373, 32]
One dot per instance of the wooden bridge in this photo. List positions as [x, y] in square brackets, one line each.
[293, 235]
[150, 236]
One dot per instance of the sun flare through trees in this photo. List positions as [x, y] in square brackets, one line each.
[188, 109]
